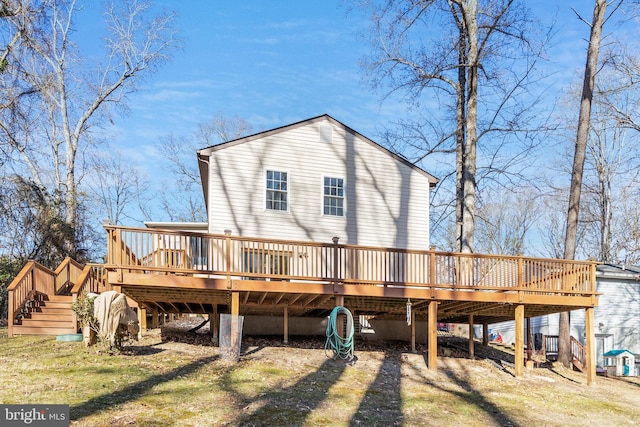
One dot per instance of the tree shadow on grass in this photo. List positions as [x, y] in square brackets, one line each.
[382, 402]
[625, 380]
[292, 405]
[468, 394]
[476, 398]
[134, 391]
[559, 373]
[145, 350]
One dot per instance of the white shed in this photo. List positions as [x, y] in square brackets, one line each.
[620, 363]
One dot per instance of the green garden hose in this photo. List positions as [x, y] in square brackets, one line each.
[342, 347]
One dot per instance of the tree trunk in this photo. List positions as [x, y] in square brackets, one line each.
[71, 201]
[564, 345]
[460, 132]
[469, 150]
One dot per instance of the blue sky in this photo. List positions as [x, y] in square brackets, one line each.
[277, 62]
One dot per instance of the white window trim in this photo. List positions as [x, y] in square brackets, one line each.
[344, 197]
[264, 190]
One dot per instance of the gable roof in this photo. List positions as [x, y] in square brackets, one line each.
[204, 153]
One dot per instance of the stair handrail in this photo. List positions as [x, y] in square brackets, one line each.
[578, 352]
[34, 277]
[68, 271]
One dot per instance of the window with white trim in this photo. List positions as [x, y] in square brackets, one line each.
[333, 196]
[277, 189]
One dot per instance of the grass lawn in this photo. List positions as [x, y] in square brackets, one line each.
[156, 383]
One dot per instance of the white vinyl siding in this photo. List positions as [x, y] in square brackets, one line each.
[388, 201]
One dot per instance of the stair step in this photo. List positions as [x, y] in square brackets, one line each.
[47, 323]
[66, 316]
[48, 310]
[56, 304]
[40, 330]
[59, 298]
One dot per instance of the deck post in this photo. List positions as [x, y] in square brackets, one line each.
[286, 324]
[213, 324]
[340, 319]
[235, 313]
[432, 270]
[413, 331]
[154, 318]
[11, 315]
[519, 351]
[227, 234]
[485, 334]
[471, 336]
[591, 348]
[527, 339]
[335, 240]
[142, 321]
[235, 303]
[432, 328]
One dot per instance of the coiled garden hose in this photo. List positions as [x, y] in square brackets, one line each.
[342, 347]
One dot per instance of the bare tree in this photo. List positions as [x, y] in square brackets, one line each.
[117, 189]
[478, 44]
[504, 220]
[56, 98]
[591, 67]
[185, 202]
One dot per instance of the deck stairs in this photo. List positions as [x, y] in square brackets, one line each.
[40, 299]
[47, 315]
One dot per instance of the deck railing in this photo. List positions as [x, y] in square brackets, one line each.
[67, 274]
[93, 279]
[34, 278]
[150, 250]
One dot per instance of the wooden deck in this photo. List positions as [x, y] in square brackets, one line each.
[186, 272]
[191, 272]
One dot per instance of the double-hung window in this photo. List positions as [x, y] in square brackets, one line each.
[277, 188]
[333, 196]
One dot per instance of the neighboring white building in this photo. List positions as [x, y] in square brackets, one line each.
[314, 180]
[617, 316]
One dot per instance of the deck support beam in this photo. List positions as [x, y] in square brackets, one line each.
[154, 318]
[142, 321]
[528, 339]
[485, 334]
[590, 344]
[213, 323]
[413, 331]
[340, 319]
[519, 351]
[432, 331]
[235, 313]
[286, 324]
[471, 340]
[235, 303]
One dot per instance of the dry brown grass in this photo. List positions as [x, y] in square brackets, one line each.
[171, 383]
